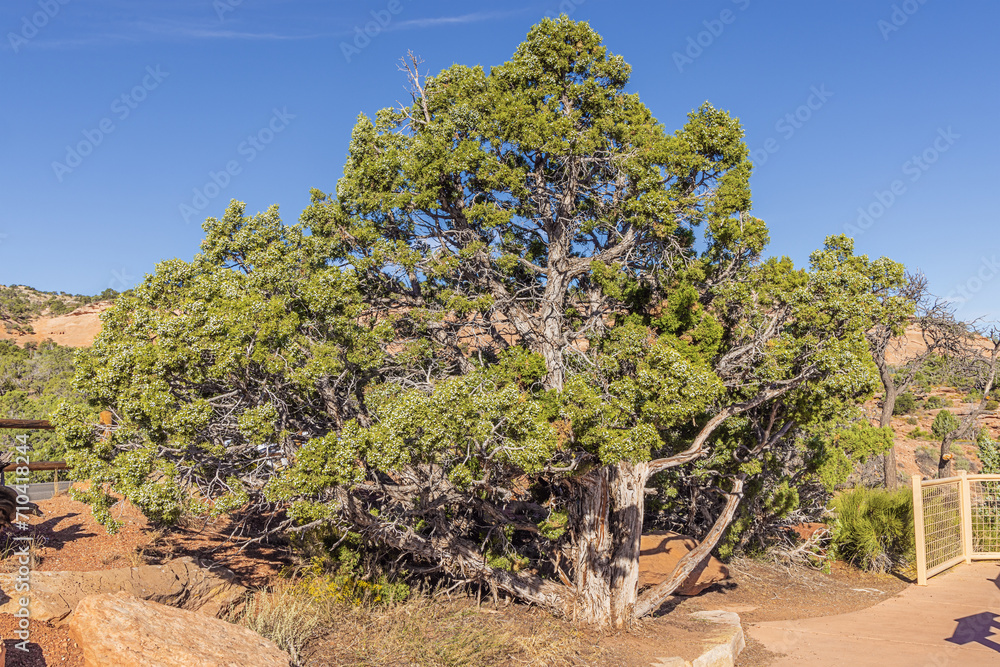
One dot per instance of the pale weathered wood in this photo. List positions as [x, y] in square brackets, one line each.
[652, 599]
[606, 517]
[918, 529]
[965, 495]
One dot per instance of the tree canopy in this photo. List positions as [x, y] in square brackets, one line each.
[526, 308]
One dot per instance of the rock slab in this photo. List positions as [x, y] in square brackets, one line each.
[114, 630]
[728, 643]
[659, 552]
[722, 648]
[184, 582]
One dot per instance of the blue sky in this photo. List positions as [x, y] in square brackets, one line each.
[124, 124]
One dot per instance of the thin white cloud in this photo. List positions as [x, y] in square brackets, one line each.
[202, 31]
[143, 31]
[475, 17]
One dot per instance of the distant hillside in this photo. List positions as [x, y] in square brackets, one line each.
[28, 315]
[911, 344]
[917, 451]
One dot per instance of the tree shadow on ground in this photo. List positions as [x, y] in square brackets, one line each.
[977, 628]
[44, 534]
[254, 563]
[15, 657]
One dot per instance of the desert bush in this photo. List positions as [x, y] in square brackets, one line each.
[284, 615]
[873, 528]
[935, 402]
[297, 609]
[992, 405]
[33, 382]
[905, 404]
[912, 421]
[920, 434]
[989, 455]
[944, 423]
[345, 584]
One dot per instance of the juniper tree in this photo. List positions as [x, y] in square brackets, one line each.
[524, 301]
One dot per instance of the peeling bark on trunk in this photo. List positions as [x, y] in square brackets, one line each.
[606, 517]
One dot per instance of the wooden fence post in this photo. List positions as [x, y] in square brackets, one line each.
[918, 530]
[966, 497]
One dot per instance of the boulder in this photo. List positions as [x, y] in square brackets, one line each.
[659, 552]
[114, 630]
[184, 582]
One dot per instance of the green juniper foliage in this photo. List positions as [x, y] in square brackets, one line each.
[944, 423]
[989, 455]
[34, 382]
[905, 404]
[524, 301]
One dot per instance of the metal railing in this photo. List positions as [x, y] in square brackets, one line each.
[955, 520]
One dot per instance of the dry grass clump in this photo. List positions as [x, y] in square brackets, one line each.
[10, 560]
[440, 633]
[421, 630]
[285, 615]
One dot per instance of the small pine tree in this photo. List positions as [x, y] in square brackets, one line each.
[944, 423]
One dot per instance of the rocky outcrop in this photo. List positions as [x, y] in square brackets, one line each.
[659, 552]
[186, 583]
[76, 329]
[115, 630]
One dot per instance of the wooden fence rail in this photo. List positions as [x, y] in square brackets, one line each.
[54, 466]
[955, 520]
[33, 424]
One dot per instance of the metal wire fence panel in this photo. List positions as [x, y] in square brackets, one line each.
[942, 523]
[985, 502]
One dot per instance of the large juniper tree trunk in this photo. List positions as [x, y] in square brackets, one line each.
[606, 519]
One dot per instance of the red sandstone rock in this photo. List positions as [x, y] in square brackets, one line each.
[117, 630]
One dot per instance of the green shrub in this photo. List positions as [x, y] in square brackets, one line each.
[989, 455]
[912, 421]
[873, 528]
[944, 423]
[935, 402]
[920, 434]
[905, 404]
[992, 405]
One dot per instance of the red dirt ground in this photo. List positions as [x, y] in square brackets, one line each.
[70, 539]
